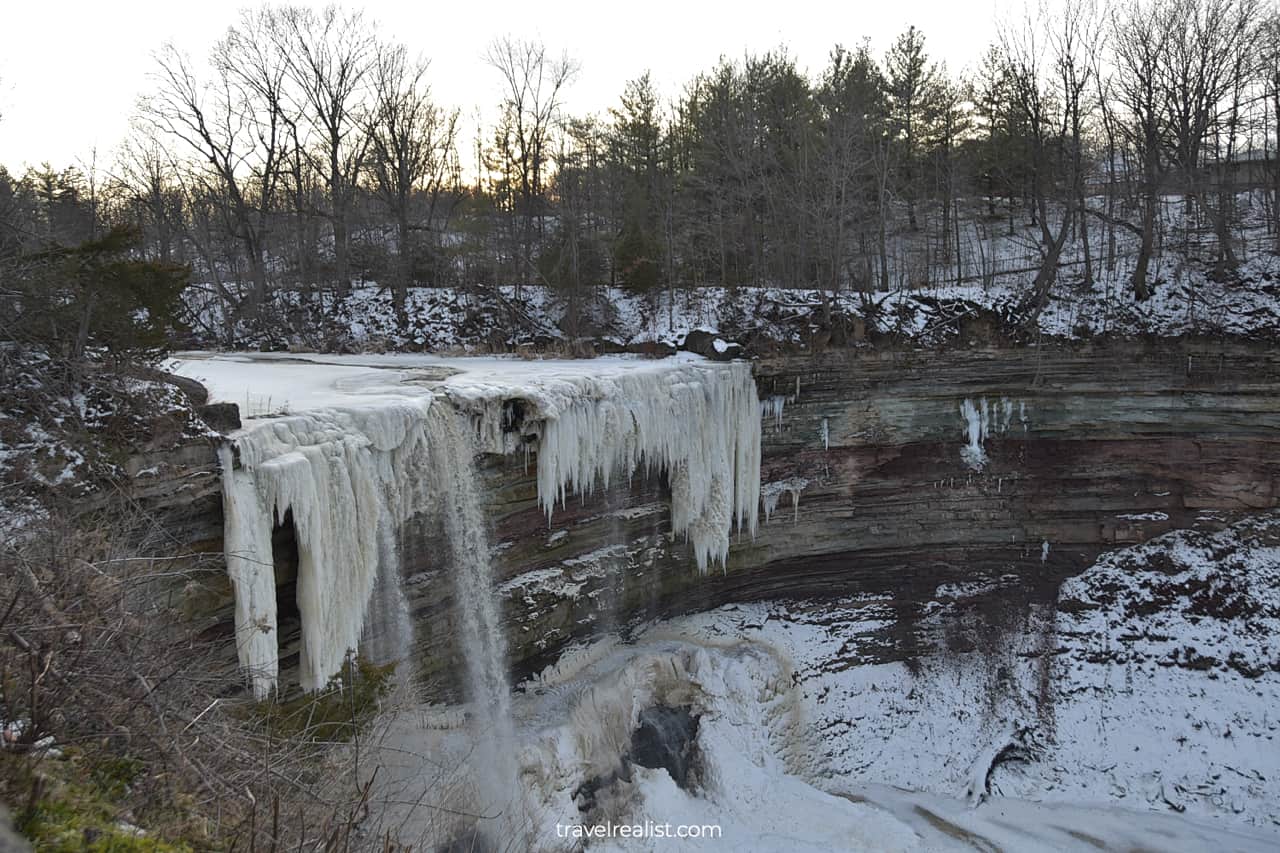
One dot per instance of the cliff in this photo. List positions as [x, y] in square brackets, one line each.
[882, 471]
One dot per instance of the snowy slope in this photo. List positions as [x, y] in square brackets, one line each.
[1154, 685]
[1185, 301]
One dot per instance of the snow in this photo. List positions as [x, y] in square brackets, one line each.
[809, 740]
[353, 460]
[1145, 516]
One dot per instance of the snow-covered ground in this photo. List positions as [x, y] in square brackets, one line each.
[62, 438]
[1090, 727]
[1185, 301]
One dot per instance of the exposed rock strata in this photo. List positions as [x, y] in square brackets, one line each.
[1081, 449]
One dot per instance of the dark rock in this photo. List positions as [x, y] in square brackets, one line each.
[704, 343]
[667, 738]
[196, 393]
[223, 417]
[653, 349]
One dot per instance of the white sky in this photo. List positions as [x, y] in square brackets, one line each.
[70, 72]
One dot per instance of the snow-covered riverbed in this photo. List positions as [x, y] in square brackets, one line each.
[1080, 731]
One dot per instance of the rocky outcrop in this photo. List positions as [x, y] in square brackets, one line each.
[885, 471]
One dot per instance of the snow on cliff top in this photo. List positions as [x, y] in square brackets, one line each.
[269, 384]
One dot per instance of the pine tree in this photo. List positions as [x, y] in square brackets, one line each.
[913, 89]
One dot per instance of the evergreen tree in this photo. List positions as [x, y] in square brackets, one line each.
[913, 90]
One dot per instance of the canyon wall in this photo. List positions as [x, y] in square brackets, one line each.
[884, 472]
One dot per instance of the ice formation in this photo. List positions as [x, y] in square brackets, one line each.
[772, 408]
[349, 474]
[771, 493]
[347, 478]
[983, 419]
[976, 420]
[698, 424]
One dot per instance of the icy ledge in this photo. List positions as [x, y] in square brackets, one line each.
[353, 470]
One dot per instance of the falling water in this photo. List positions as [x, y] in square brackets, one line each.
[479, 613]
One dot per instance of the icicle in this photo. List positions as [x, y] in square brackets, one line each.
[976, 425]
[771, 493]
[698, 423]
[772, 407]
[253, 579]
[346, 478]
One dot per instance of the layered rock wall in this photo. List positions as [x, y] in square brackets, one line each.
[882, 471]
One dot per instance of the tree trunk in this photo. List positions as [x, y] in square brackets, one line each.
[404, 264]
[342, 268]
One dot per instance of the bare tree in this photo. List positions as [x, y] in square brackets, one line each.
[1073, 39]
[231, 132]
[1209, 45]
[1140, 35]
[146, 172]
[1269, 68]
[1049, 73]
[414, 150]
[533, 86]
[330, 56]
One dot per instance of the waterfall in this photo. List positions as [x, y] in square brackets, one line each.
[352, 474]
[484, 645]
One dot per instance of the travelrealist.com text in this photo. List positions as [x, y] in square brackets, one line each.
[648, 829]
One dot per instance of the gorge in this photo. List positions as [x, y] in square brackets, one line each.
[918, 509]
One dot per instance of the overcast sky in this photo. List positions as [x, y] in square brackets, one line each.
[71, 72]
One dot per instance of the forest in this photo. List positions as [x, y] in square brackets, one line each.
[306, 156]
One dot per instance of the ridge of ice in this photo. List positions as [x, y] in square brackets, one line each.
[700, 425]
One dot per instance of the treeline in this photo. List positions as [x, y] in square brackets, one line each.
[309, 153]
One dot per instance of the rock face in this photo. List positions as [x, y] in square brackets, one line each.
[882, 471]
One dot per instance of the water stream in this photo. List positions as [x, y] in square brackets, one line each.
[484, 646]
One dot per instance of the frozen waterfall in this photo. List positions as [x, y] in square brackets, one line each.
[351, 474]
[348, 478]
[701, 425]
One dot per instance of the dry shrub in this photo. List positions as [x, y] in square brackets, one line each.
[126, 722]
